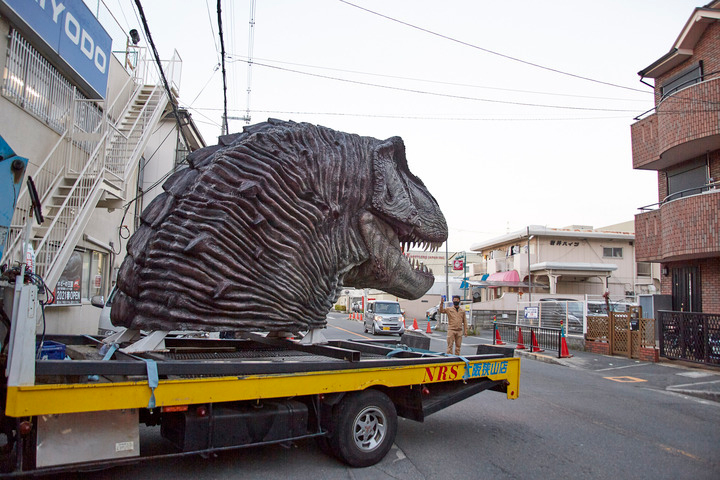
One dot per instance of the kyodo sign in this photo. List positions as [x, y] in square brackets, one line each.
[72, 31]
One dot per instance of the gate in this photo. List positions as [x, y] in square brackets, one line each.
[626, 333]
[621, 334]
[690, 336]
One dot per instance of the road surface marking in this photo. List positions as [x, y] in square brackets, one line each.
[625, 379]
[695, 374]
[693, 384]
[618, 368]
[348, 331]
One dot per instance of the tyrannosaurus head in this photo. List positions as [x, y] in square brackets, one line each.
[402, 214]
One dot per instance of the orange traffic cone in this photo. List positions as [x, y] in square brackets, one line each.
[533, 339]
[428, 330]
[498, 340]
[415, 327]
[350, 316]
[564, 353]
[520, 343]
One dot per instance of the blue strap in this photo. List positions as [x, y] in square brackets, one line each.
[110, 352]
[153, 379]
[405, 348]
[466, 375]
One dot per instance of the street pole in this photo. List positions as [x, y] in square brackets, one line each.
[465, 275]
[447, 285]
[529, 273]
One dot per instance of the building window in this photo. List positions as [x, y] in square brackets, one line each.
[31, 82]
[684, 79]
[688, 179]
[644, 269]
[612, 252]
[93, 277]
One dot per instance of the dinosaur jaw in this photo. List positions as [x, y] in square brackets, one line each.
[388, 268]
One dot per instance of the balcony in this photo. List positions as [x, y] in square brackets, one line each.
[685, 125]
[680, 228]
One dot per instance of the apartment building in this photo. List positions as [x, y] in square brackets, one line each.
[89, 112]
[680, 139]
[572, 262]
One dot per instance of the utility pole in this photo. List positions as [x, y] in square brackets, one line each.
[447, 280]
[465, 275]
[530, 237]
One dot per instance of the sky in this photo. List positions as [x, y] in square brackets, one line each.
[512, 113]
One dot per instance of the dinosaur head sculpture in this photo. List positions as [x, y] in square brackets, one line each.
[263, 230]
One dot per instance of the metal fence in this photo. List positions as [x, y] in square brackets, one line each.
[547, 338]
[550, 314]
[690, 336]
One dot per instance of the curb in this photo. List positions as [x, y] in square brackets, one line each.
[704, 394]
[542, 358]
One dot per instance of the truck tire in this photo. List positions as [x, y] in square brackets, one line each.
[365, 428]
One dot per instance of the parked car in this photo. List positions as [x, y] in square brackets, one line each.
[105, 326]
[356, 306]
[432, 313]
[556, 310]
[384, 317]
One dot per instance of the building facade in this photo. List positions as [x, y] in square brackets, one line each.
[89, 113]
[680, 139]
[574, 262]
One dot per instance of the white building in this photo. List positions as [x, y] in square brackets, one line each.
[91, 115]
[572, 262]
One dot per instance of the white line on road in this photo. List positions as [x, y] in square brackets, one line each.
[693, 384]
[686, 397]
[618, 368]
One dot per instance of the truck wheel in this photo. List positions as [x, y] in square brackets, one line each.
[365, 429]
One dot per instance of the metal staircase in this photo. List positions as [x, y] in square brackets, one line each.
[94, 159]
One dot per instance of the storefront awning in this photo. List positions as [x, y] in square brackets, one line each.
[501, 279]
[511, 276]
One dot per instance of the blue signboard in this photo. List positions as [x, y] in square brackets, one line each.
[71, 30]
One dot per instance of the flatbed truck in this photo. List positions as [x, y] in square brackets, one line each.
[78, 402]
[85, 411]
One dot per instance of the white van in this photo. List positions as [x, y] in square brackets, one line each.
[383, 317]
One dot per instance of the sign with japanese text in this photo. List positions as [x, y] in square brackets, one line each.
[71, 30]
[68, 290]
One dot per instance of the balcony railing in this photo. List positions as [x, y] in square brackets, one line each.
[679, 88]
[681, 194]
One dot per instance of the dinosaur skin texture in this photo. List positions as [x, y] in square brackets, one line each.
[261, 232]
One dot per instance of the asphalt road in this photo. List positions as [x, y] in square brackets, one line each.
[584, 420]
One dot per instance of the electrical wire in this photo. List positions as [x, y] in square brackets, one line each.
[212, 30]
[240, 58]
[171, 98]
[508, 57]
[224, 75]
[443, 95]
[437, 117]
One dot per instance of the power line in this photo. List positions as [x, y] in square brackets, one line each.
[224, 76]
[212, 30]
[436, 94]
[241, 58]
[515, 59]
[436, 117]
[171, 99]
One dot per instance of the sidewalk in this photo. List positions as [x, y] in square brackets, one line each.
[696, 380]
